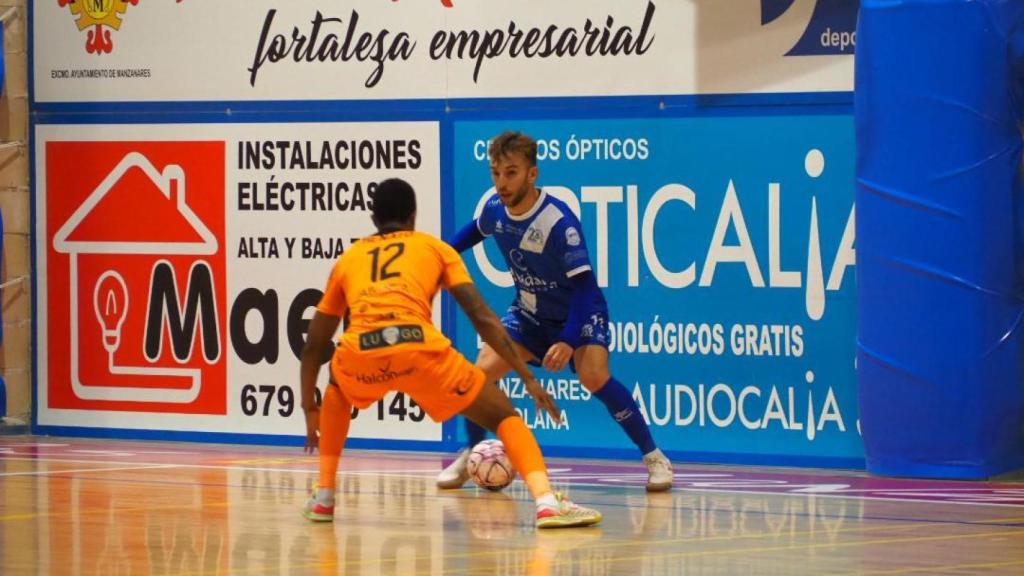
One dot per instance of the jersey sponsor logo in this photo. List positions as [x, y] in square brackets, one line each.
[508, 229]
[532, 283]
[573, 256]
[384, 374]
[390, 335]
[572, 236]
[518, 258]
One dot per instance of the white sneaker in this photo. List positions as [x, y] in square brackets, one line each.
[659, 471]
[319, 510]
[565, 514]
[456, 473]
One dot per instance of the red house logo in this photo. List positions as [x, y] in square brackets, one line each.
[136, 276]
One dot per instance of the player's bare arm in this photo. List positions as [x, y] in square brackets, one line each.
[318, 336]
[493, 333]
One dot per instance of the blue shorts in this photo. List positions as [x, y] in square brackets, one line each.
[538, 335]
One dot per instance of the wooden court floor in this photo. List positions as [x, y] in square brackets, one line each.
[107, 507]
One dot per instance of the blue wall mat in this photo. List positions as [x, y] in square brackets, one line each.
[938, 113]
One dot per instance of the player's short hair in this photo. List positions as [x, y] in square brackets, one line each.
[512, 142]
[394, 201]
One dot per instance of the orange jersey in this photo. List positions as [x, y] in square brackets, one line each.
[387, 283]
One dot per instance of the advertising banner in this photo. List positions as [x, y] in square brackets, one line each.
[243, 50]
[725, 249]
[178, 267]
[707, 146]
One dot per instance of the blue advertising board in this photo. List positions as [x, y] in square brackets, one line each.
[725, 249]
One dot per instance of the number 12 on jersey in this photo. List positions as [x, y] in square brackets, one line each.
[381, 271]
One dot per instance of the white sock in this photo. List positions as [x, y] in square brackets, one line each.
[548, 500]
[325, 495]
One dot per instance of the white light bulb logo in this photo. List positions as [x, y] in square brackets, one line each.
[110, 301]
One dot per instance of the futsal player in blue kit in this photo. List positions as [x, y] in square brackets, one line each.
[559, 316]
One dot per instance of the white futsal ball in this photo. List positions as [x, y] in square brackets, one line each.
[489, 466]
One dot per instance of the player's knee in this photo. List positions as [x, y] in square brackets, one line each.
[490, 408]
[485, 357]
[492, 418]
[503, 415]
[492, 376]
[593, 380]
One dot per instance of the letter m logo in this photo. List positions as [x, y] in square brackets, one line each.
[199, 311]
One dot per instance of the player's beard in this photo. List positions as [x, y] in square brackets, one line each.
[518, 198]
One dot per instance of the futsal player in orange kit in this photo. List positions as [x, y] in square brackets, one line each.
[385, 284]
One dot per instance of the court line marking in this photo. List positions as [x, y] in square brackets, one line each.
[420, 474]
[934, 568]
[312, 468]
[78, 470]
[853, 497]
[103, 511]
[604, 544]
[696, 554]
[501, 551]
[809, 546]
[204, 449]
[467, 495]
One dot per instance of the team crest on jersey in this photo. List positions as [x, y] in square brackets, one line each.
[572, 237]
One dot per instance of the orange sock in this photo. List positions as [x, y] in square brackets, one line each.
[525, 454]
[335, 416]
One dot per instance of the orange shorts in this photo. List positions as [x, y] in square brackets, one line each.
[443, 382]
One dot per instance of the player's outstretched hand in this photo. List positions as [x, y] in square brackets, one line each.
[543, 400]
[558, 357]
[312, 430]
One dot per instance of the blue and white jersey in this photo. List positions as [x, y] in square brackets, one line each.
[543, 249]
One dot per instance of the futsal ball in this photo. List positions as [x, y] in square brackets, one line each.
[489, 466]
